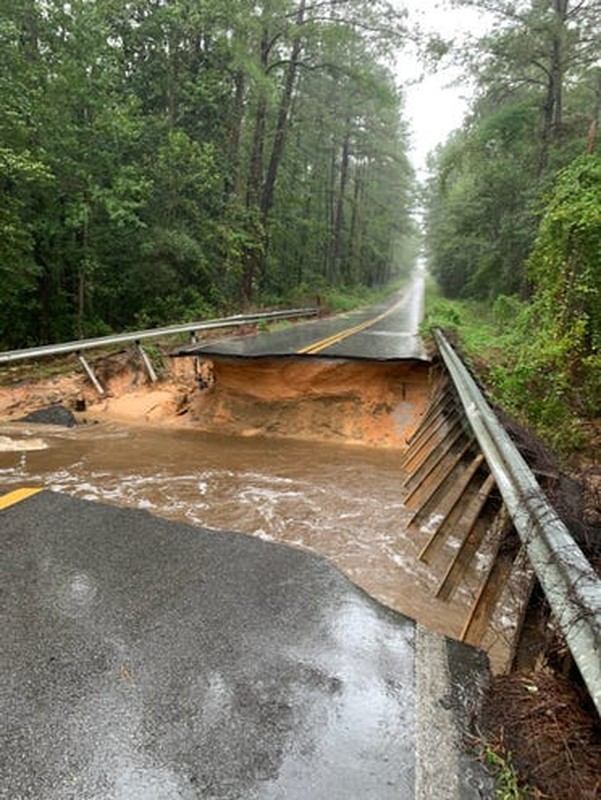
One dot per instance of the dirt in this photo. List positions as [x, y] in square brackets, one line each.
[552, 734]
[353, 403]
[129, 394]
[369, 403]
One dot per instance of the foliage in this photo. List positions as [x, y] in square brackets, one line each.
[537, 91]
[515, 212]
[557, 367]
[535, 378]
[507, 783]
[565, 264]
[162, 160]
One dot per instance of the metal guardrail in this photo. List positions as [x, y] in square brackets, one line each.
[571, 585]
[137, 336]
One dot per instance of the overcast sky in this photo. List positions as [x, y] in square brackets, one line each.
[434, 106]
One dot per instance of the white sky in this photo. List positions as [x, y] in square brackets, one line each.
[434, 106]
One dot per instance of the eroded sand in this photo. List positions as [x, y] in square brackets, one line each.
[370, 403]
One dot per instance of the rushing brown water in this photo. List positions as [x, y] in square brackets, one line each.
[344, 502]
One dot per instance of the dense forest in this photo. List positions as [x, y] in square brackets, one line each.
[537, 80]
[161, 160]
[164, 160]
[514, 207]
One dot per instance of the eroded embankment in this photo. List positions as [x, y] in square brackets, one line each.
[347, 402]
[372, 403]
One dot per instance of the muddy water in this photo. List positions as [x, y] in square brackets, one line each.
[342, 502]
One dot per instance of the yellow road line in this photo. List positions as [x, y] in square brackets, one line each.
[17, 496]
[338, 337]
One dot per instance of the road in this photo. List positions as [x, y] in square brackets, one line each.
[150, 660]
[380, 333]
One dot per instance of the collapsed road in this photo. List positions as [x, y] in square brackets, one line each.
[148, 659]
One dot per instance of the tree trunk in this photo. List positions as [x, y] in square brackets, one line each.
[354, 234]
[553, 108]
[232, 179]
[281, 130]
[252, 255]
[329, 266]
[591, 143]
[339, 217]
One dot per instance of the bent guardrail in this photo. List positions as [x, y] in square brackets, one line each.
[571, 586]
[137, 336]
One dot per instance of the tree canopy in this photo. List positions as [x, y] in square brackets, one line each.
[165, 159]
[538, 88]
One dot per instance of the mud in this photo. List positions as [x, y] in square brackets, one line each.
[367, 403]
[378, 404]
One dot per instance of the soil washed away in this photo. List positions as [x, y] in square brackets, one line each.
[151, 447]
[366, 403]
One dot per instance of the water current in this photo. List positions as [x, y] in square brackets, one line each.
[343, 502]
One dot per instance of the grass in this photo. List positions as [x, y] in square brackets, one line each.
[525, 372]
[341, 300]
[37, 369]
[507, 786]
[264, 325]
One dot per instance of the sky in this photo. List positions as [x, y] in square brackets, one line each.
[437, 104]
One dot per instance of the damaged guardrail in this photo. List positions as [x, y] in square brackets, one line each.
[136, 336]
[572, 587]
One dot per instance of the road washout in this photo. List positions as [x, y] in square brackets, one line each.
[367, 403]
[362, 402]
[178, 401]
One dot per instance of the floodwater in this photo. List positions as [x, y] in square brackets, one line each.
[343, 502]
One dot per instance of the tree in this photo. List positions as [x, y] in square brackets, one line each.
[161, 159]
[530, 117]
[565, 263]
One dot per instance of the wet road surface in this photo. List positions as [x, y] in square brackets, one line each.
[392, 336]
[148, 659]
[344, 503]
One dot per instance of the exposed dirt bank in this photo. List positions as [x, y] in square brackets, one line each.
[348, 402]
[363, 403]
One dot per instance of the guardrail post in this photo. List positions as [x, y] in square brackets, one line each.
[147, 364]
[91, 376]
[570, 583]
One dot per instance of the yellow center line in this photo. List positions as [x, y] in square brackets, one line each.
[338, 337]
[17, 496]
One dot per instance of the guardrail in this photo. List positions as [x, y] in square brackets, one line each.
[571, 586]
[137, 336]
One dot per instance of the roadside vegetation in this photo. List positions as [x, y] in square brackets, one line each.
[514, 217]
[513, 242]
[543, 384]
[169, 161]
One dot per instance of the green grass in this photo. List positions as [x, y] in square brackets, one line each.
[506, 779]
[531, 375]
[341, 300]
[264, 325]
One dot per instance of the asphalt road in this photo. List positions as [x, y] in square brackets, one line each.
[149, 660]
[393, 334]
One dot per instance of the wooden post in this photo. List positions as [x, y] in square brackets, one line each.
[91, 376]
[194, 340]
[146, 361]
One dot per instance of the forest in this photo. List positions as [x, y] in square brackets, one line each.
[165, 160]
[514, 208]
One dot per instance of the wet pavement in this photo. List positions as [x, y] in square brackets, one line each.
[148, 659]
[392, 336]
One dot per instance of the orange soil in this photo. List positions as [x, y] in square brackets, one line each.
[352, 402]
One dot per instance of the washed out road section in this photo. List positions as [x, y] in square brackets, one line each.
[144, 658]
[385, 332]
